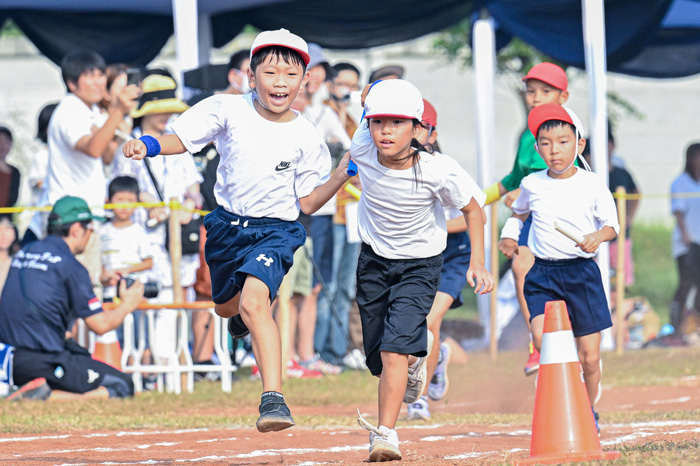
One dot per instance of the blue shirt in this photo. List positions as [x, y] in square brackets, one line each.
[44, 278]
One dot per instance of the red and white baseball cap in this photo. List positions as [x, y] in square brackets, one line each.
[281, 38]
[394, 98]
[429, 113]
[546, 112]
[550, 74]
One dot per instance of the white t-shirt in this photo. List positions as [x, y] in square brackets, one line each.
[72, 172]
[690, 208]
[123, 247]
[581, 204]
[328, 124]
[402, 219]
[265, 167]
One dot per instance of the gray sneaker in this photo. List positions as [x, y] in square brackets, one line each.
[418, 375]
[440, 382]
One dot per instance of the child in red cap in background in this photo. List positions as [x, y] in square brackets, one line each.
[545, 83]
[453, 278]
[579, 202]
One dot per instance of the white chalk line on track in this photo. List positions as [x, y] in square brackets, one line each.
[642, 430]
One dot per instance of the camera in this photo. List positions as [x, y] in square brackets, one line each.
[150, 289]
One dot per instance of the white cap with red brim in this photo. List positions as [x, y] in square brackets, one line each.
[394, 98]
[281, 38]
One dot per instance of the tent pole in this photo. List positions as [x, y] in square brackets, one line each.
[593, 12]
[484, 51]
[186, 28]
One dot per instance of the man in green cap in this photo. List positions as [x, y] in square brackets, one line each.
[46, 290]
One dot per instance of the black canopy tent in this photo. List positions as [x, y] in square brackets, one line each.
[655, 38]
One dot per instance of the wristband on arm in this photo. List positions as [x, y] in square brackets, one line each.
[152, 145]
[492, 193]
[511, 229]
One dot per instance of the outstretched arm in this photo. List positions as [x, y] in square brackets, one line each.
[325, 192]
[169, 144]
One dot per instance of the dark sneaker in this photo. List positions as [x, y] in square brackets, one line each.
[274, 415]
[596, 417]
[37, 389]
[237, 328]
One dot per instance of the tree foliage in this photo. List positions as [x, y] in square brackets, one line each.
[512, 63]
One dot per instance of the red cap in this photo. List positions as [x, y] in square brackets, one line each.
[429, 114]
[547, 112]
[550, 74]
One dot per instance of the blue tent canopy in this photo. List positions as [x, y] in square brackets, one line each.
[654, 38]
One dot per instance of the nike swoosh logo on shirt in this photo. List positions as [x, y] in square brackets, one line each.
[282, 166]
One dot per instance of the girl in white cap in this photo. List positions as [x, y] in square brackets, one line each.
[403, 230]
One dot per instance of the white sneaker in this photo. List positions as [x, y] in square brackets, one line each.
[383, 442]
[355, 360]
[418, 411]
[418, 375]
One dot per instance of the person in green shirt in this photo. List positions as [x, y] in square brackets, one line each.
[544, 83]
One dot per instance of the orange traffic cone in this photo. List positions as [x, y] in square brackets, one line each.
[107, 349]
[563, 428]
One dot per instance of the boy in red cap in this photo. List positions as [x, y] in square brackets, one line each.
[544, 83]
[273, 162]
[566, 198]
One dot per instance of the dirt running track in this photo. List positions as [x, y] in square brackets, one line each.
[421, 443]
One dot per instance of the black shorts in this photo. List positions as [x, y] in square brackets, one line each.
[394, 297]
[70, 372]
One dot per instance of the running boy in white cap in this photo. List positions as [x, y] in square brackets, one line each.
[272, 164]
[403, 230]
[576, 201]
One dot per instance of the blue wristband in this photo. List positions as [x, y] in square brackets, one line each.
[152, 145]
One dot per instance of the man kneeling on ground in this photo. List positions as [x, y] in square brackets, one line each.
[46, 290]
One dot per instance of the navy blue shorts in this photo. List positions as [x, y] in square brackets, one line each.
[70, 372]
[322, 235]
[455, 263]
[394, 297]
[574, 281]
[525, 231]
[240, 246]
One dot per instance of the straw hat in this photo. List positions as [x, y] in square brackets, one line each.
[158, 97]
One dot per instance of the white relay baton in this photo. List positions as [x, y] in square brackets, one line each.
[575, 237]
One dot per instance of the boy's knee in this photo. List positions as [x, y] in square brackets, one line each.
[589, 362]
[253, 305]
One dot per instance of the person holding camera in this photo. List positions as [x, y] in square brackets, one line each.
[46, 290]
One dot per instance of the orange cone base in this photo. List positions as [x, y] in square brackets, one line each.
[569, 458]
